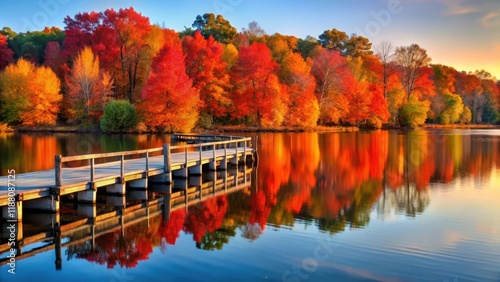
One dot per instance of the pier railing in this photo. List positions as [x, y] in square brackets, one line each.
[199, 143]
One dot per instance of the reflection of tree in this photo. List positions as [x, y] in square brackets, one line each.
[215, 240]
[206, 217]
[126, 250]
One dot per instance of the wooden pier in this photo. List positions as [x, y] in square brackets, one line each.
[118, 171]
[59, 235]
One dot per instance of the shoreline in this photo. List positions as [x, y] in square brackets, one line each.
[242, 129]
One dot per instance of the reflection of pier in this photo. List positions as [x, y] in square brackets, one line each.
[117, 171]
[173, 196]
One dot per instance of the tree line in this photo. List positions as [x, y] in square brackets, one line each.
[117, 69]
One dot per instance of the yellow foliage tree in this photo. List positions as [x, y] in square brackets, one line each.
[88, 87]
[30, 95]
[44, 97]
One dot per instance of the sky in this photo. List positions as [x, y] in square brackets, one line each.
[464, 34]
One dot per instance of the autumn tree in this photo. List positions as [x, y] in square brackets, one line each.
[206, 67]
[257, 93]
[303, 108]
[29, 95]
[88, 87]
[414, 112]
[333, 81]
[452, 110]
[366, 100]
[411, 59]
[55, 59]
[31, 45]
[6, 55]
[170, 102]
[469, 87]
[119, 39]
[216, 26]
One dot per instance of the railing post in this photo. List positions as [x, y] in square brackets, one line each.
[166, 158]
[122, 169]
[245, 152]
[185, 157]
[147, 161]
[201, 149]
[92, 172]
[58, 170]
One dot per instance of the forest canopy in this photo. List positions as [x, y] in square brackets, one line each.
[214, 74]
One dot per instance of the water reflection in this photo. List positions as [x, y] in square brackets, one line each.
[334, 181]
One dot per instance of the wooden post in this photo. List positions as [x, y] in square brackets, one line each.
[201, 149]
[166, 158]
[185, 157]
[92, 172]
[245, 153]
[147, 163]
[122, 169]
[58, 170]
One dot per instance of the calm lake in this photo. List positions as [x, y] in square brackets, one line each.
[365, 206]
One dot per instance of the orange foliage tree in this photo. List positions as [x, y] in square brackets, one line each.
[206, 67]
[30, 95]
[170, 102]
[257, 93]
[303, 107]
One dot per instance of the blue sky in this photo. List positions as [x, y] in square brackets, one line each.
[464, 34]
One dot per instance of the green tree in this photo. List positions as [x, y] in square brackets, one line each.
[348, 46]
[216, 26]
[453, 109]
[414, 112]
[118, 116]
[305, 46]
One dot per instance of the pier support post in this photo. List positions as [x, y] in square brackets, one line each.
[87, 196]
[57, 247]
[50, 203]
[117, 188]
[139, 184]
[181, 173]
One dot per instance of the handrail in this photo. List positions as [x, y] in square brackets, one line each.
[59, 160]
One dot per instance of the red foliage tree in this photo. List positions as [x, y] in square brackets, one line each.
[118, 39]
[55, 59]
[257, 93]
[169, 99]
[6, 55]
[207, 69]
